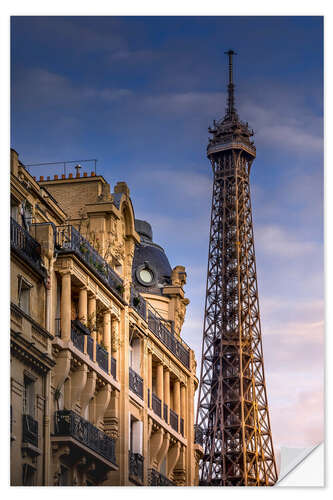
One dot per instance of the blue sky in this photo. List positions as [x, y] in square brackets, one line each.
[138, 93]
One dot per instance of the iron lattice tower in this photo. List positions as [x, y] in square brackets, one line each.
[232, 406]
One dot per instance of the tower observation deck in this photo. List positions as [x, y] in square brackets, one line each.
[232, 406]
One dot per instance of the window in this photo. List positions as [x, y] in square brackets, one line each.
[29, 396]
[24, 288]
[135, 353]
[136, 429]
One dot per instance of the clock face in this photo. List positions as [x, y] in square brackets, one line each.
[146, 275]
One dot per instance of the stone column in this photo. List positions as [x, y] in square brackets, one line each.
[92, 317]
[159, 382]
[83, 310]
[65, 306]
[183, 405]
[167, 390]
[107, 336]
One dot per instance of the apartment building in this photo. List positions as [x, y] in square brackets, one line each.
[102, 384]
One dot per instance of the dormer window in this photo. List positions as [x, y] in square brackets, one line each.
[145, 275]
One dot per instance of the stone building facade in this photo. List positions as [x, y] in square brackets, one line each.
[102, 384]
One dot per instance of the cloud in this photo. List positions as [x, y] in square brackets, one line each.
[42, 89]
[277, 241]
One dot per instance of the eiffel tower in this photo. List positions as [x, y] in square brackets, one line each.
[232, 406]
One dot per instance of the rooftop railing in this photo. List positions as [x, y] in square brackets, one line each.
[69, 423]
[25, 245]
[70, 240]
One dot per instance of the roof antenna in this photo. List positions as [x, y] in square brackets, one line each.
[231, 110]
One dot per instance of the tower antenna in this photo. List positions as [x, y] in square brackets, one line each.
[231, 110]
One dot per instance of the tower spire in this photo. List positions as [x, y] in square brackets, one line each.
[231, 110]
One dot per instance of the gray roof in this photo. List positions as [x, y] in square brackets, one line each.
[153, 255]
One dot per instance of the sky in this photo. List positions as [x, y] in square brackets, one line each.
[138, 94]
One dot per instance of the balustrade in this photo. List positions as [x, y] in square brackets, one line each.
[69, 423]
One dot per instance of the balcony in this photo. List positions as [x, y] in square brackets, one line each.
[155, 478]
[135, 383]
[198, 435]
[155, 324]
[156, 404]
[30, 430]
[135, 467]
[174, 420]
[102, 358]
[165, 412]
[25, 246]
[69, 240]
[69, 423]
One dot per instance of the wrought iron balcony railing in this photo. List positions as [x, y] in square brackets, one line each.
[156, 324]
[139, 304]
[181, 429]
[155, 478]
[198, 435]
[156, 404]
[25, 245]
[135, 467]
[77, 337]
[102, 357]
[114, 367]
[30, 430]
[165, 413]
[135, 383]
[70, 240]
[168, 338]
[90, 347]
[69, 423]
[174, 420]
